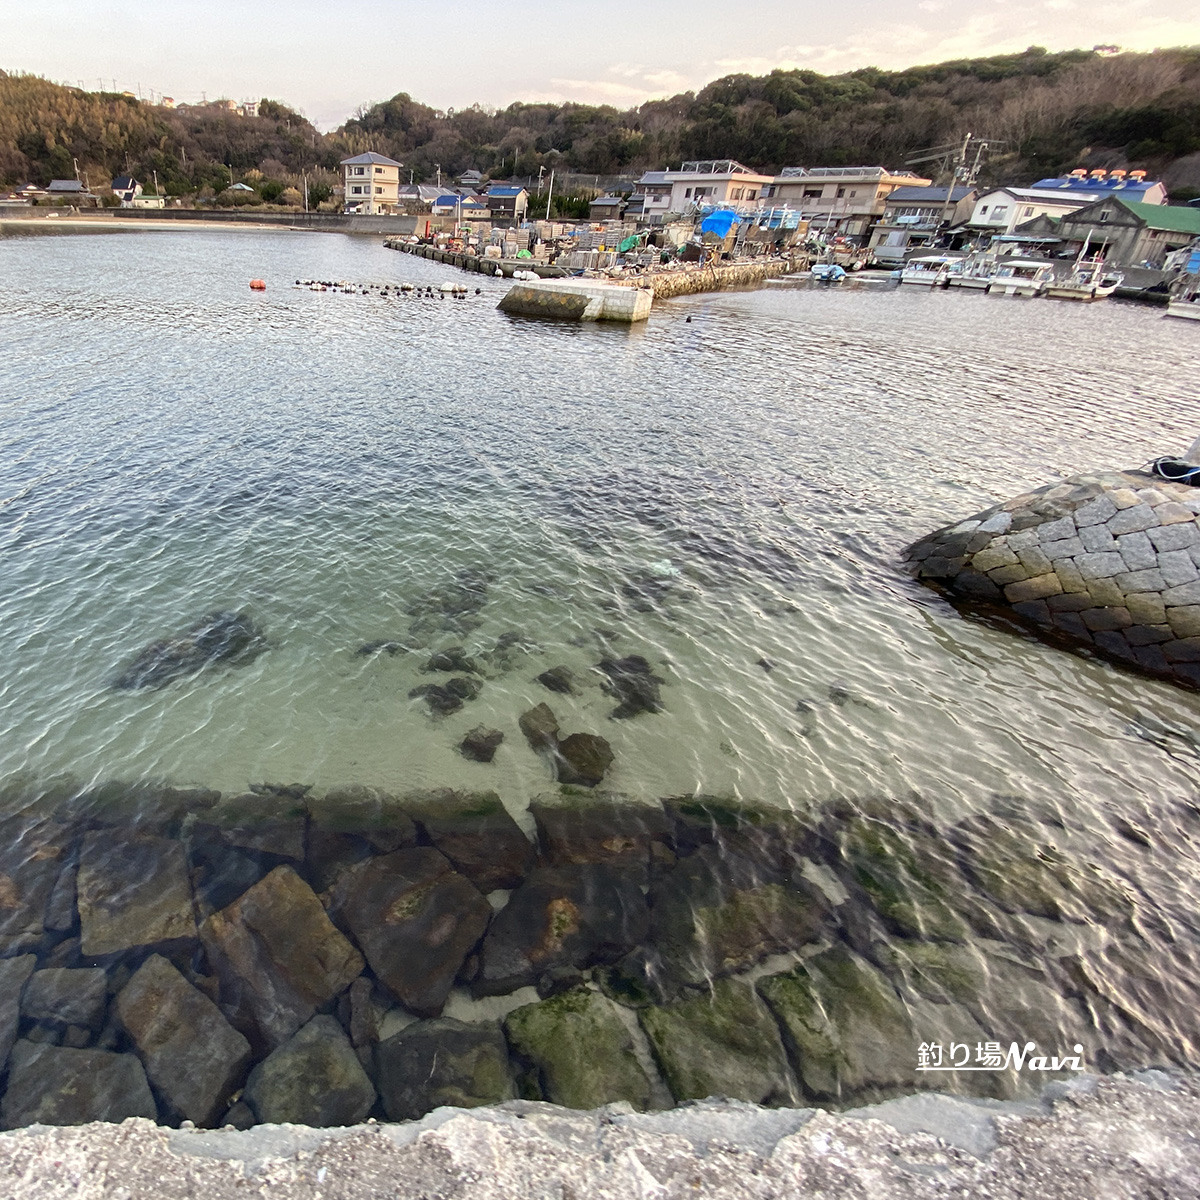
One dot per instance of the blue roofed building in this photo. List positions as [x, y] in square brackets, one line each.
[507, 202]
[1130, 185]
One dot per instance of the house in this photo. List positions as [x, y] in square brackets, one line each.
[839, 200]
[1128, 232]
[715, 183]
[72, 190]
[471, 179]
[418, 197]
[606, 208]
[913, 216]
[507, 203]
[126, 189]
[249, 108]
[372, 183]
[1001, 210]
[1132, 185]
[30, 192]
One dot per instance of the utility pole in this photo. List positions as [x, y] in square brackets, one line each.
[549, 194]
[541, 172]
[439, 175]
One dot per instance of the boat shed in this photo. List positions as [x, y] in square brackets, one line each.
[1129, 233]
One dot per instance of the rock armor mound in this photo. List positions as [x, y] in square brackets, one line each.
[1108, 563]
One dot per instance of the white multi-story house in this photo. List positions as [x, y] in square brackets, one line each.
[372, 184]
[839, 200]
[720, 183]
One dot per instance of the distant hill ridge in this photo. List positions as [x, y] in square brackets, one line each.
[1053, 112]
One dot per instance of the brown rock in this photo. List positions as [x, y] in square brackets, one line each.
[540, 727]
[416, 919]
[192, 1055]
[133, 891]
[278, 956]
[583, 759]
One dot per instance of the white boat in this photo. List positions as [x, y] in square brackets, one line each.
[1185, 303]
[1020, 277]
[828, 273]
[974, 271]
[929, 270]
[1086, 282]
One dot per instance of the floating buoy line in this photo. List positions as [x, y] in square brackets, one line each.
[386, 291]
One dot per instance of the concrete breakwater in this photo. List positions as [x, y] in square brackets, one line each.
[691, 280]
[475, 262]
[1112, 1136]
[1108, 563]
[280, 957]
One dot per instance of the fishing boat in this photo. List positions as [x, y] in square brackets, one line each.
[1185, 299]
[974, 271]
[828, 273]
[1020, 277]
[929, 270]
[1087, 282]
[1088, 279]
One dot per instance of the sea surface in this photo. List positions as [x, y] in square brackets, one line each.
[726, 486]
[725, 490]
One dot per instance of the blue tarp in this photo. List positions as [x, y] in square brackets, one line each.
[719, 222]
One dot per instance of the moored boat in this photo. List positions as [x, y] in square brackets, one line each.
[1020, 277]
[1184, 302]
[1088, 281]
[928, 270]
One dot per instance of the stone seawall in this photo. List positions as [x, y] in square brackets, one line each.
[688, 282]
[1108, 563]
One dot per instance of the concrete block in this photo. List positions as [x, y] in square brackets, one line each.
[1147, 608]
[1035, 562]
[1101, 566]
[1022, 540]
[1123, 498]
[1173, 513]
[1175, 537]
[1069, 576]
[1151, 495]
[1000, 523]
[1052, 531]
[1096, 537]
[1177, 567]
[1185, 621]
[1107, 618]
[1183, 650]
[993, 557]
[1070, 601]
[1141, 581]
[1037, 588]
[1185, 593]
[1063, 548]
[1095, 512]
[1133, 520]
[1137, 550]
[1148, 635]
[1105, 592]
[1006, 575]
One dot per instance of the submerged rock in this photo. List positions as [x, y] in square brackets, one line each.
[58, 1085]
[723, 1042]
[370, 649]
[262, 821]
[631, 681]
[558, 679]
[13, 974]
[67, 996]
[315, 1078]
[600, 828]
[540, 727]
[583, 759]
[561, 917]
[481, 744]
[580, 1052]
[34, 855]
[132, 891]
[476, 833]
[454, 658]
[416, 920]
[448, 697]
[717, 913]
[278, 956]
[217, 637]
[440, 1063]
[193, 1056]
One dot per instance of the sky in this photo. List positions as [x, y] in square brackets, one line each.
[329, 57]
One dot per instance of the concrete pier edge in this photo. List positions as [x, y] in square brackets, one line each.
[1120, 1135]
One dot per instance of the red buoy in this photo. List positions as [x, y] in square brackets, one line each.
[258, 285]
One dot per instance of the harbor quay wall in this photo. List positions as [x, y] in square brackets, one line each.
[715, 278]
[1107, 563]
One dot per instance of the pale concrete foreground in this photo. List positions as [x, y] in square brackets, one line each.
[1114, 1137]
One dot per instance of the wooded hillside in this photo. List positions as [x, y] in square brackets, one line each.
[1052, 111]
